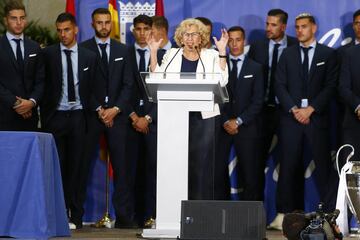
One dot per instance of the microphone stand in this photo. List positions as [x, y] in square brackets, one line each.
[197, 51]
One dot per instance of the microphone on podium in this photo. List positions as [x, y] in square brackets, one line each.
[182, 45]
[196, 48]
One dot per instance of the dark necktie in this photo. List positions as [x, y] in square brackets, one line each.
[234, 71]
[104, 57]
[70, 77]
[105, 63]
[142, 60]
[271, 96]
[19, 56]
[305, 70]
[160, 55]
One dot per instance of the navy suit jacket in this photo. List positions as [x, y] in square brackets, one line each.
[120, 77]
[342, 50]
[139, 93]
[246, 100]
[27, 84]
[259, 52]
[349, 86]
[53, 80]
[321, 84]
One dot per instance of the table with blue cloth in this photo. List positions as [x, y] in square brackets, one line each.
[31, 199]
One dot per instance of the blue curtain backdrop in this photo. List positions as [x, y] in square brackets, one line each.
[334, 29]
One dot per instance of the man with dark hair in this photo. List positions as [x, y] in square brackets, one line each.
[345, 133]
[160, 29]
[305, 84]
[267, 52]
[113, 90]
[356, 26]
[142, 127]
[22, 73]
[209, 26]
[281, 14]
[349, 90]
[240, 121]
[67, 100]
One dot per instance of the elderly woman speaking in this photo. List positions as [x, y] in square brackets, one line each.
[191, 37]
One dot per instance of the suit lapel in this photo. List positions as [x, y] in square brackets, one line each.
[26, 51]
[315, 60]
[81, 66]
[242, 72]
[299, 62]
[9, 51]
[267, 52]
[111, 61]
[58, 60]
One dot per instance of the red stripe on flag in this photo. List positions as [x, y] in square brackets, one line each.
[70, 7]
[159, 8]
[115, 32]
[104, 151]
[113, 3]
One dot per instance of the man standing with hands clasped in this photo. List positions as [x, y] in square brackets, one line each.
[22, 73]
[112, 90]
[305, 83]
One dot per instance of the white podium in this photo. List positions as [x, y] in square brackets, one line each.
[177, 95]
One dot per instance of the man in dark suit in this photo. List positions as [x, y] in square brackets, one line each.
[342, 133]
[305, 84]
[69, 71]
[349, 90]
[240, 122]
[22, 73]
[113, 90]
[267, 52]
[142, 127]
[356, 27]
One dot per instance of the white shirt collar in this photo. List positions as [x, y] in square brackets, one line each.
[11, 36]
[241, 57]
[138, 47]
[313, 45]
[282, 42]
[73, 48]
[99, 41]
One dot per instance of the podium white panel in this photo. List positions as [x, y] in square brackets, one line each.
[172, 157]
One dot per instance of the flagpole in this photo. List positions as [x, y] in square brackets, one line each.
[105, 221]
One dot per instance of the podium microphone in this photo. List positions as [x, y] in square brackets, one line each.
[196, 48]
[182, 45]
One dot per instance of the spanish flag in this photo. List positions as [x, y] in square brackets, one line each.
[159, 8]
[70, 7]
[115, 32]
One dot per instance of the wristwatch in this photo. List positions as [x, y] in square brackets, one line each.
[148, 118]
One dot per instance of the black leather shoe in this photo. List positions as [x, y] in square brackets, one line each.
[125, 223]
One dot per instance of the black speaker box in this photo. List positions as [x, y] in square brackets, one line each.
[222, 220]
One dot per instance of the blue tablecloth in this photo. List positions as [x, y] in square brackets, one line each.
[31, 194]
